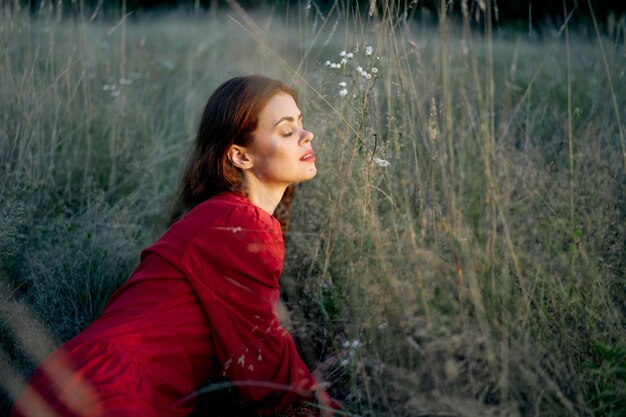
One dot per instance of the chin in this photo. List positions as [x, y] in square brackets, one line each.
[312, 174]
[307, 177]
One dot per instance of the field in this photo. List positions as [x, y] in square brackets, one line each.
[462, 251]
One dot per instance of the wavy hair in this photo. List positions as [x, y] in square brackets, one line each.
[230, 116]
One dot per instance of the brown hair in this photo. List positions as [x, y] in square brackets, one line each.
[229, 117]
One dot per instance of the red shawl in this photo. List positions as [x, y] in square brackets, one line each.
[201, 304]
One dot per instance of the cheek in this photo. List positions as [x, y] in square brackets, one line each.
[263, 147]
[269, 156]
[268, 152]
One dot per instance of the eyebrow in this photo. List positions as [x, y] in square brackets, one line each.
[287, 118]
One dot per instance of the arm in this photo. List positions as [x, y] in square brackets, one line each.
[234, 268]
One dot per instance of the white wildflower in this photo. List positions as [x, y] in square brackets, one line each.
[343, 92]
[344, 61]
[359, 69]
[349, 55]
[125, 81]
[374, 70]
[346, 344]
[355, 344]
[327, 63]
[106, 87]
[382, 162]
[368, 76]
[369, 50]
[342, 84]
[342, 53]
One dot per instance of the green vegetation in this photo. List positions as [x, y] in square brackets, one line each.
[467, 227]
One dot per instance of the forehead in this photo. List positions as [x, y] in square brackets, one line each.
[279, 106]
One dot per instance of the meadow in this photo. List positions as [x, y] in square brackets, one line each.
[461, 252]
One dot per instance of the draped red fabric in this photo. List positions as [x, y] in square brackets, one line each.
[201, 304]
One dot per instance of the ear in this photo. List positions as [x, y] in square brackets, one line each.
[238, 156]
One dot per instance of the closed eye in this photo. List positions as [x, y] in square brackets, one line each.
[298, 123]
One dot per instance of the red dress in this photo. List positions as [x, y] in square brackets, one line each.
[202, 304]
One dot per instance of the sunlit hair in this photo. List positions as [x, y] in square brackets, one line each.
[230, 116]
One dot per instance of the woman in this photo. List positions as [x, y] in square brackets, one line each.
[202, 302]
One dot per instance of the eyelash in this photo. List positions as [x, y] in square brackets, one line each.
[286, 135]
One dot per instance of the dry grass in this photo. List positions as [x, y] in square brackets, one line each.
[481, 270]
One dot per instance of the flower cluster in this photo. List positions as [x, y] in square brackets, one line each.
[350, 347]
[344, 91]
[366, 74]
[112, 88]
[346, 58]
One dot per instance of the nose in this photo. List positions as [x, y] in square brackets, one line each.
[306, 136]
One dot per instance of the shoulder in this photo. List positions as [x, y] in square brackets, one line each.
[239, 240]
[226, 218]
[229, 211]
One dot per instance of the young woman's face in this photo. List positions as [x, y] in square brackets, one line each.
[281, 149]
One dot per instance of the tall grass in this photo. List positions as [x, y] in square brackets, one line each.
[461, 252]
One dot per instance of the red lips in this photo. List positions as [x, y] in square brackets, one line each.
[308, 157]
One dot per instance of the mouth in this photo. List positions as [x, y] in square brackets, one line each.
[308, 157]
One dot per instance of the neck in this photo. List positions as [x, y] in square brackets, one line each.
[262, 196]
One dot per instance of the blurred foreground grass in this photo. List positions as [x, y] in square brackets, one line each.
[463, 248]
